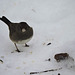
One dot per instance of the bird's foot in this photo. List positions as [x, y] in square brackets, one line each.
[18, 51]
[26, 45]
[17, 48]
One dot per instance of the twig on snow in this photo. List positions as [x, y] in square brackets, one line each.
[45, 71]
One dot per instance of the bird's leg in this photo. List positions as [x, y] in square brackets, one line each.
[26, 45]
[17, 48]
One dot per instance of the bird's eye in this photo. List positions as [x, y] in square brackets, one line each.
[23, 29]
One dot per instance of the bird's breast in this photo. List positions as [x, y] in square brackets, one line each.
[21, 37]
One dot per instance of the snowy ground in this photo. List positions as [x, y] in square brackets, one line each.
[53, 22]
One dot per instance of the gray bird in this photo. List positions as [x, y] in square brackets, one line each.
[19, 33]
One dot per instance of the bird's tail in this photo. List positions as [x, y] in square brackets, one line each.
[5, 20]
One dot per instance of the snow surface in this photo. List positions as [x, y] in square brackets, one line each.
[53, 22]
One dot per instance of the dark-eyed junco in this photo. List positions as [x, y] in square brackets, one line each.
[19, 33]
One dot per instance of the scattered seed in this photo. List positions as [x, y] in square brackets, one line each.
[24, 62]
[48, 44]
[2, 57]
[30, 52]
[49, 59]
[24, 73]
[43, 43]
[33, 61]
[1, 61]
[17, 67]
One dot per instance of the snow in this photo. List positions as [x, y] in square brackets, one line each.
[53, 22]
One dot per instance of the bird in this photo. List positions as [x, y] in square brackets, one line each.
[19, 33]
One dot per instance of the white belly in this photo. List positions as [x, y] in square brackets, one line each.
[23, 41]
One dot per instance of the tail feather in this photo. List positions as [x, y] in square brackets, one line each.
[5, 20]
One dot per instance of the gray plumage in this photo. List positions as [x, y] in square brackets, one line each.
[18, 32]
